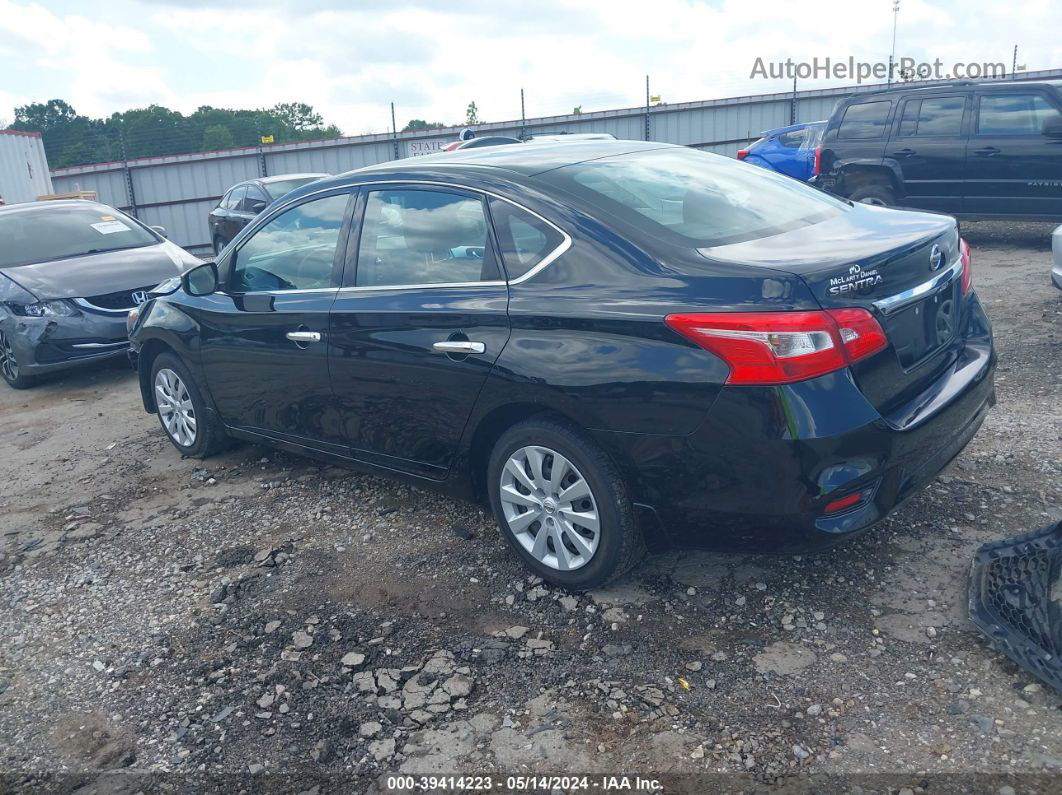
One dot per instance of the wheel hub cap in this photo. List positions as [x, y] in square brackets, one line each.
[8, 364]
[549, 507]
[175, 407]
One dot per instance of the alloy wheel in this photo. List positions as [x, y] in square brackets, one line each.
[550, 508]
[175, 407]
[8, 363]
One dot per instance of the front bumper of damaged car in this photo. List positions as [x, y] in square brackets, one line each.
[49, 343]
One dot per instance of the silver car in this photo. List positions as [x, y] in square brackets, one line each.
[1056, 247]
[70, 271]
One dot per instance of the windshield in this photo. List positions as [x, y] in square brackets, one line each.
[52, 232]
[694, 199]
[284, 186]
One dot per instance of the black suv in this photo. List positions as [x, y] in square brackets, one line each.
[990, 150]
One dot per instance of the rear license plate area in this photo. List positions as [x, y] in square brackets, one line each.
[923, 328]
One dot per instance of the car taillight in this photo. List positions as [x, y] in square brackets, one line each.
[742, 154]
[818, 160]
[967, 266]
[768, 348]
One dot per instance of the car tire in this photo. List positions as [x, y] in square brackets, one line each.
[219, 244]
[182, 411]
[874, 193]
[10, 368]
[610, 542]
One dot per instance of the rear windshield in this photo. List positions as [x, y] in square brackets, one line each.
[53, 232]
[285, 186]
[694, 199]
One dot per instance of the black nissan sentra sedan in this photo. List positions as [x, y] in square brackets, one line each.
[70, 271]
[616, 344]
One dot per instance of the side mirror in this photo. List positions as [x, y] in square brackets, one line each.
[201, 280]
[256, 206]
[159, 230]
[1053, 126]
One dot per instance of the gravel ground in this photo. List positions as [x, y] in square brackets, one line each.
[259, 621]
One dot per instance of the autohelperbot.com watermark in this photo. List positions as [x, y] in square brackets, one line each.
[850, 68]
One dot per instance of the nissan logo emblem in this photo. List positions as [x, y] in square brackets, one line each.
[936, 258]
[139, 296]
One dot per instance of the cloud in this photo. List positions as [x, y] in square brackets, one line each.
[350, 60]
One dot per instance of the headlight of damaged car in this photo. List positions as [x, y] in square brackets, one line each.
[58, 308]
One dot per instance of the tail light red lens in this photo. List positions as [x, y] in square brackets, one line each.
[844, 503]
[742, 154]
[967, 266]
[818, 160]
[769, 348]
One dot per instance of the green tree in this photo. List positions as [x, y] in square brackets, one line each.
[43, 116]
[297, 116]
[472, 114]
[217, 136]
[577, 110]
[420, 124]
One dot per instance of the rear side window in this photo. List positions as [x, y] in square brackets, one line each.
[524, 239]
[422, 237]
[932, 116]
[794, 139]
[236, 195]
[865, 120]
[1013, 114]
[692, 198]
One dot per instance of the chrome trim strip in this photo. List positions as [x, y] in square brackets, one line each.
[565, 244]
[99, 345]
[896, 302]
[91, 307]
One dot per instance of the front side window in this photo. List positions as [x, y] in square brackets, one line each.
[420, 237]
[294, 251]
[1013, 114]
[865, 120]
[524, 239]
[932, 116]
[692, 198]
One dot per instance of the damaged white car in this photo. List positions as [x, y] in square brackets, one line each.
[70, 271]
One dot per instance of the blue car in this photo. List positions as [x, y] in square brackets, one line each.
[792, 150]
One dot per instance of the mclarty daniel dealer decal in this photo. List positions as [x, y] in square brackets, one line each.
[856, 280]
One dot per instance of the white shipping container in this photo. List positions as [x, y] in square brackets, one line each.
[24, 173]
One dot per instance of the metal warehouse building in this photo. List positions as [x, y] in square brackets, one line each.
[23, 167]
[178, 191]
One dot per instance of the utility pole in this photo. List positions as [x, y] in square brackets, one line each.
[1014, 68]
[793, 104]
[394, 131]
[130, 192]
[892, 55]
[647, 107]
[523, 118]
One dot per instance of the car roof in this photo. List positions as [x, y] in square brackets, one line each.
[527, 159]
[51, 204]
[792, 127]
[283, 177]
[994, 85]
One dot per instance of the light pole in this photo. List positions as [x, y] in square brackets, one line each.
[892, 55]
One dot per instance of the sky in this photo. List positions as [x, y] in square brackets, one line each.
[351, 58]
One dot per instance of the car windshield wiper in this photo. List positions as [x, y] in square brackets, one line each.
[106, 250]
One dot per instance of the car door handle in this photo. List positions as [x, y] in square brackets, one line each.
[304, 336]
[987, 151]
[460, 347]
[903, 153]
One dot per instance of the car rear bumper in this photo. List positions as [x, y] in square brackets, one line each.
[760, 473]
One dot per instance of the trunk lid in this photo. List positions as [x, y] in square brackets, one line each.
[896, 264]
